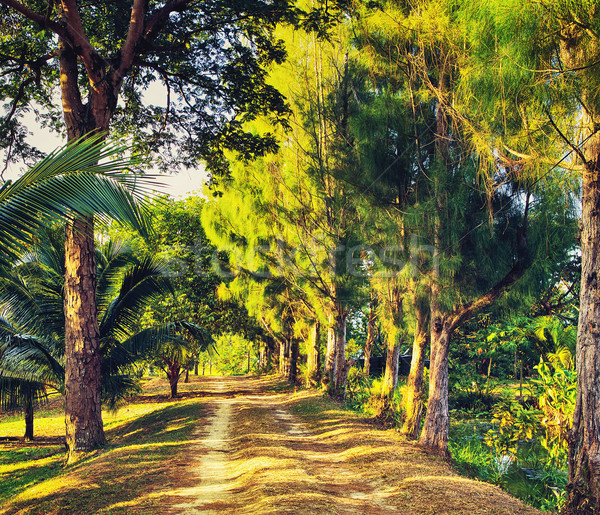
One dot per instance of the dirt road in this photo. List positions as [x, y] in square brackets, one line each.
[267, 451]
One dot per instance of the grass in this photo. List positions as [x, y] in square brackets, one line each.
[146, 441]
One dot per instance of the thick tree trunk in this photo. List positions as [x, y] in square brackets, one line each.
[82, 343]
[583, 489]
[437, 420]
[313, 359]
[413, 398]
[28, 419]
[83, 411]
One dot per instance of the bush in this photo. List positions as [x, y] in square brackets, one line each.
[472, 403]
[358, 390]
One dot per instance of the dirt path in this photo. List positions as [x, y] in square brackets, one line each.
[263, 452]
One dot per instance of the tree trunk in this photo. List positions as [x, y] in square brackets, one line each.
[84, 429]
[284, 346]
[263, 357]
[583, 489]
[437, 420]
[313, 359]
[173, 371]
[330, 357]
[390, 378]
[187, 375]
[196, 368]
[83, 410]
[371, 330]
[340, 351]
[294, 351]
[413, 398]
[336, 354]
[28, 419]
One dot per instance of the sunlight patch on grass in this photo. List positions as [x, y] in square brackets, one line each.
[131, 503]
[50, 486]
[14, 467]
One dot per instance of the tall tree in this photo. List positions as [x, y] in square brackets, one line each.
[543, 57]
[209, 55]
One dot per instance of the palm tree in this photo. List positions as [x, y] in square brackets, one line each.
[81, 179]
[32, 326]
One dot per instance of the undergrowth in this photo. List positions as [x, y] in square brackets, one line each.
[526, 475]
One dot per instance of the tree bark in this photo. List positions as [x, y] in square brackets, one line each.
[313, 360]
[330, 356]
[294, 351]
[437, 420]
[82, 342]
[28, 419]
[283, 352]
[289, 358]
[371, 330]
[583, 489]
[390, 378]
[83, 411]
[413, 398]
[336, 354]
[340, 352]
[173, 370]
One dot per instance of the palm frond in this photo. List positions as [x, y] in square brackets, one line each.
[81, 178]
[140, 284]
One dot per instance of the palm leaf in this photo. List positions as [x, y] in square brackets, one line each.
[70, 181]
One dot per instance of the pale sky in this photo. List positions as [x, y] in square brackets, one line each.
[178, 185]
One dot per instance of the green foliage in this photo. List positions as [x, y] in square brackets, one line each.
[546, 418]
[32, 330]
[525, 475]
[513, 423]
[556, 391]
[358, 390]
[209, 60]
[235, 353]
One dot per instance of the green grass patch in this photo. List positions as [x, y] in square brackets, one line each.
[128, 476]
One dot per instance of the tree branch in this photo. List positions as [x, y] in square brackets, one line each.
[159, 17]
[134, 34]
[464, 312]
[40, 19]
[82, 46]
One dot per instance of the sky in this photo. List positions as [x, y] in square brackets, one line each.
[177, 185]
